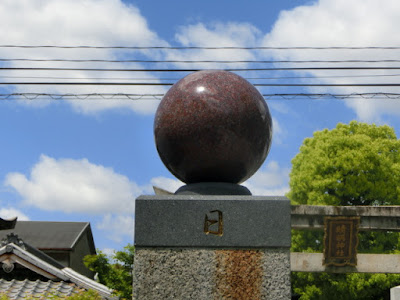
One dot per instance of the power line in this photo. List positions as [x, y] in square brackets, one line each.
[89, 83]
[205, 47]
[103, 96]
[195, 70]
[88, 78]
[175, 79]
[143, 80]
[316, 77]
[124, 96]
[330, 84]
[198, 61]
[296, 96]
[171, 83]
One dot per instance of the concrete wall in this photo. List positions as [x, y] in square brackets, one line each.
[211, 274]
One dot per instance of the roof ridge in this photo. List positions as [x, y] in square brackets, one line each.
[30, 221]
[35, 260]
[80, 234]
[12, 238]
[31, 260]
[47, 235]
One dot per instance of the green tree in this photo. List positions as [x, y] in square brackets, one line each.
[115, 271]
[352, 164]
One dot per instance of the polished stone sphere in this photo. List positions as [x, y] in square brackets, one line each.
[213, 126]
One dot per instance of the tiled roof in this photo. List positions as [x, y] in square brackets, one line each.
[49, 235]
[16, 289]
[15, 252]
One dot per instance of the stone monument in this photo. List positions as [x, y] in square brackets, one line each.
[212, 239]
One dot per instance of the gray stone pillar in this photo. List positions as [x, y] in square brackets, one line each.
[395, 293]
[212, 247]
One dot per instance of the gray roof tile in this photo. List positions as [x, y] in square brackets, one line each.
[16, 289]
[63, 281]
[48, 235]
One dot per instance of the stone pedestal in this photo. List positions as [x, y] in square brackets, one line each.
[212, 247]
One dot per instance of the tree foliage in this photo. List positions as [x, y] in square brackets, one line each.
[352, 164]
[343, 286]
[115, 271]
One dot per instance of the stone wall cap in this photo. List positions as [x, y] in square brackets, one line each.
[212, 221]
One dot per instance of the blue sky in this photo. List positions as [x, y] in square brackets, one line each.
[87, 160]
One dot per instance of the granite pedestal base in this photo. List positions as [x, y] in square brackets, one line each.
[212, 247]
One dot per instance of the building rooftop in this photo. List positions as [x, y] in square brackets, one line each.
[50, 235]
[38, 273]
[20, 289]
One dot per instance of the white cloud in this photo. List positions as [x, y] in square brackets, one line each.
[279, 133]
[108, 251]
[9, 213]
[79, 186]
[70, 21]
[270, 180]
[113, 22]
[221, 34]
[75, 186]
[168, 184]
[212, 35]
[76, 22]
[117, 226]
[343, 23]
[279, 107]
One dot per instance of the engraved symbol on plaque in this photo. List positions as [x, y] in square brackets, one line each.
[214, 224]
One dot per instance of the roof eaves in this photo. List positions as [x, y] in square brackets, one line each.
[33, 260]
[38, 262]
[30, 261]
[88, 283]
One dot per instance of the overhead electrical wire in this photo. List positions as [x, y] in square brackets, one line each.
[195, 70]
[175, 79]
[125, 96]
[171, 83]
[316, 77]
[88, 83]
[293, 96]
[205, 47]
[199, 61]
[87, 78]
[341, 69]
[105, 96]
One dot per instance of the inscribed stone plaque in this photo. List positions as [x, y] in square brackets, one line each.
[212, 221]
[340, 241]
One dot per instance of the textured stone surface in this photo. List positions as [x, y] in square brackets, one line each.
[239, 274]
[395, 293]
[276, 279]
[213, 126]
[211, 274]
[173, 274]
[179, 221]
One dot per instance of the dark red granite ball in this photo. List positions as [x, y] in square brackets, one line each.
[213, 126]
